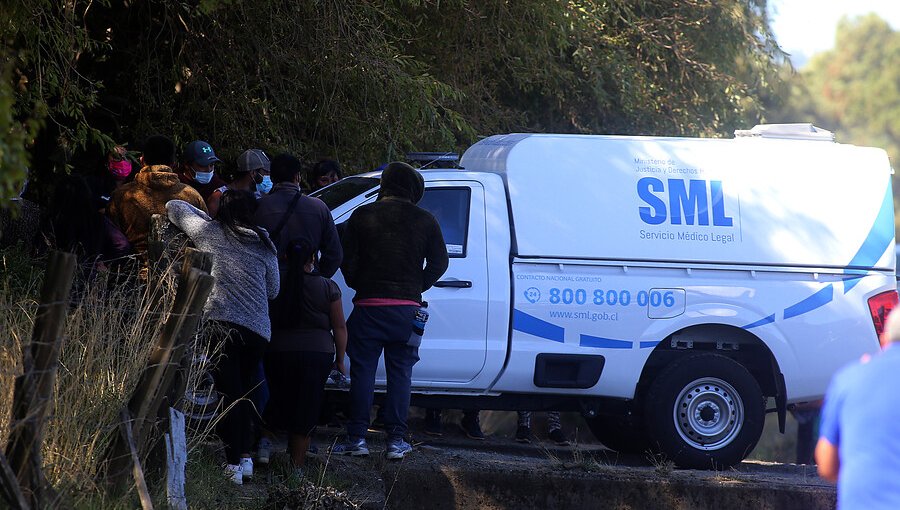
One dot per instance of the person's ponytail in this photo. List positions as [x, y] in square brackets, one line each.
[236, 211]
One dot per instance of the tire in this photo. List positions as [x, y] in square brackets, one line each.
[705, 411]
[201, 403]
[624, 434]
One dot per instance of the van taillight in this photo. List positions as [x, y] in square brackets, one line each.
[880, 306]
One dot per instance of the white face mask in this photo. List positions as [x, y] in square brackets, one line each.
[265, 186]
[203, 177]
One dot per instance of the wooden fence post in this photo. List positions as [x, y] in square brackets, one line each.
[33, 390]
[136, 469]
[159, 375]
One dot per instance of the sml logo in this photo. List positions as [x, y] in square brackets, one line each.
[689, 202]
[532, 294]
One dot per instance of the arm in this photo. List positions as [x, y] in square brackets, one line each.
[273, 277]
[212, 203]
[339, 328]
[827, 460]
[186, 217]
[827, 449]
[436, 258]
[332, 252]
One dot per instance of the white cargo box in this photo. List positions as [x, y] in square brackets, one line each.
[763, 200]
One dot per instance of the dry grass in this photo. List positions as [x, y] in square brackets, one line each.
[109, 334]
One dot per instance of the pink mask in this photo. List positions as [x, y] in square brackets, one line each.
[120, 169]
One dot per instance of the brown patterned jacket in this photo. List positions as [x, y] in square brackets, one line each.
[135, 202]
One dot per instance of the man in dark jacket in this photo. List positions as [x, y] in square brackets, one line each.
[309, 218]
[386, 245]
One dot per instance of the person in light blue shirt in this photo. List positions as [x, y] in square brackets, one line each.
[859, 443]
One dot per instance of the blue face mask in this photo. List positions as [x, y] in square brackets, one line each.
[203, 177]
[265, 186]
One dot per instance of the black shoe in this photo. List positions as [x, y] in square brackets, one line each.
[557, 436]
[523, 434]
[472, 428]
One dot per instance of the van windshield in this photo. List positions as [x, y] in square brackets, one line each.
[344, 190]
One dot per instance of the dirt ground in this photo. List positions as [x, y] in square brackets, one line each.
[453, 471]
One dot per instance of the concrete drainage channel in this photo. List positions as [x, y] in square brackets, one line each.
[473, 489]
[496, 474]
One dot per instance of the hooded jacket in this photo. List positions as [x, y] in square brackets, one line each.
[135, 202]
[387, 242]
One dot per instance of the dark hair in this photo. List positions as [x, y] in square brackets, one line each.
[73, 222]
[323, 167]
[159, 150]
[236, 210]
[287, 309]
[284, 168]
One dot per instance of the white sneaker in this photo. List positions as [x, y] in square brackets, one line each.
[263, 450]
[247, 467]
[234, 473]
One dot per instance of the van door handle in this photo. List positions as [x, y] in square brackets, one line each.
[456, 284]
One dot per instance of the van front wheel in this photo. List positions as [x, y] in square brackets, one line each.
[705, 411]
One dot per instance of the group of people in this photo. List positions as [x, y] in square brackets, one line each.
[274, 318]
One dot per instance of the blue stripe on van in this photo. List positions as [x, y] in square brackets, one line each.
[878, 240]
[533, 326]
[647, 345]
[765, 320]
[880, 236]
[819, 299]
[606, 343]
[851, 281]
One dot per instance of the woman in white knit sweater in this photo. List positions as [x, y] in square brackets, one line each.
[245, 267]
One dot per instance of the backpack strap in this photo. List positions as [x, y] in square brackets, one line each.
[291, 206]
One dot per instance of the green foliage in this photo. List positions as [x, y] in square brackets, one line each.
[365, 81]
[854, 88]
[44, 42]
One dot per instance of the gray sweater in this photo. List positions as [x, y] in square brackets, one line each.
[246, 269]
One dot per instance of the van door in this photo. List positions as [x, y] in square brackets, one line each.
[455, 342]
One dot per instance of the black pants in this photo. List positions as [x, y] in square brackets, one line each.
[235, 373]
[297, 387]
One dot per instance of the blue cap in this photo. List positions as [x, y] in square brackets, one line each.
[200, 152]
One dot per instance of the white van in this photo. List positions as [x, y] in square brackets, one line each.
[664, 287]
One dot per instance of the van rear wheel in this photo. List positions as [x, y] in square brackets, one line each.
[705, 411]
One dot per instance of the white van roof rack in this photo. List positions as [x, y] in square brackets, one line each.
[799, 131]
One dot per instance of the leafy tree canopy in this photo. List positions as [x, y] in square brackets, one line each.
[366, 81]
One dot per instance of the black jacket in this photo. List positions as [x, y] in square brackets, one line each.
[311, 220]
[385, 246]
